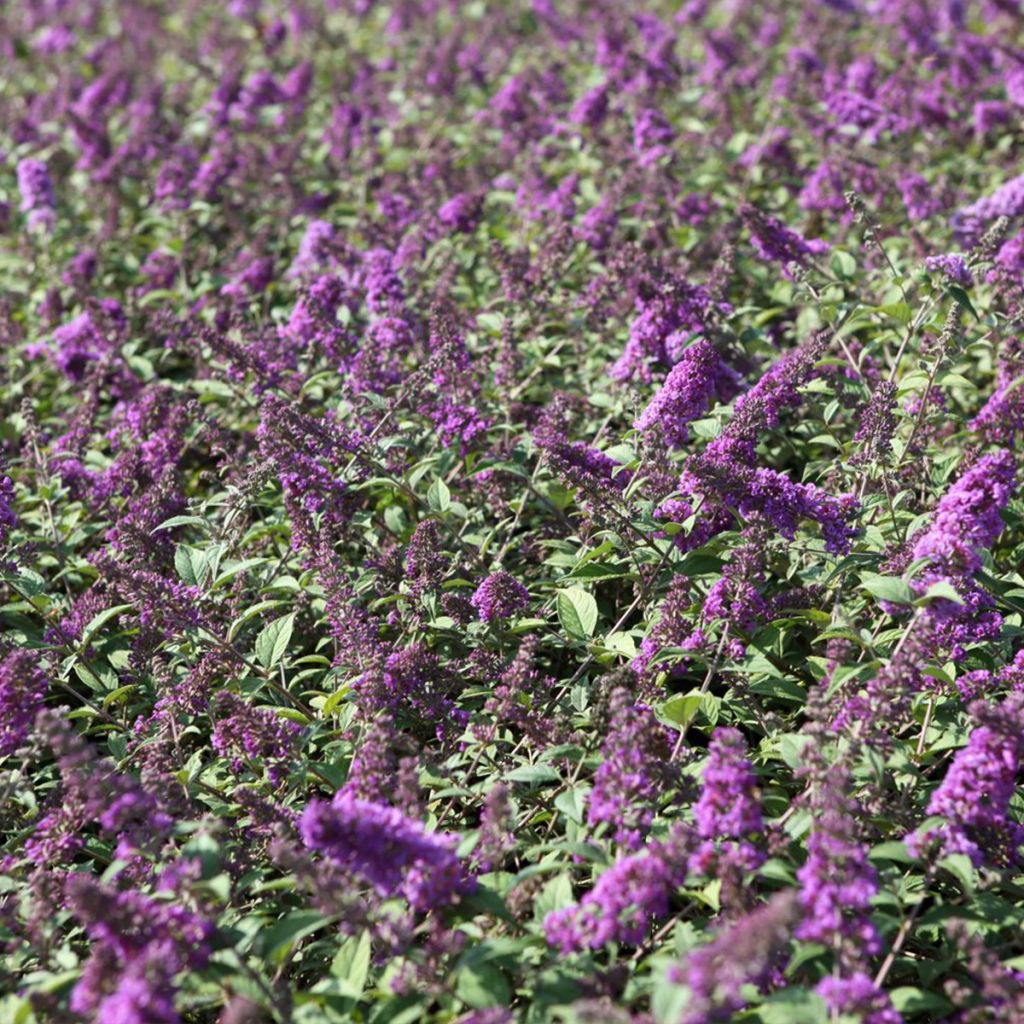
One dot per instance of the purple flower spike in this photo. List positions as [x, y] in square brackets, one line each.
[500, 596]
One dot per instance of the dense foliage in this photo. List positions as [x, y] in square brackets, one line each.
[510, 511]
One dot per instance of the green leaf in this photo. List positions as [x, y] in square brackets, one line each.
[895, 850]
[233, 570]
[533, 774]
[115, 696]
[191, 564]
[958, 380]
[598, 571]
[888, 588]
[826, 439]
[351, 964]
[912, 381]
[783, 689]
[169, 524]
[556, 895]
[791, 746]
[622, 642]
[97, 622]
[621, 453]
[482, 985]
[706, 428]
[793, 1006]
[960, 867]
[964, 299]
[273, 640]
[843, 264]
[58, 983]
[183, 563]
[93, 679]
[275, 942]
[487, 901]
[682, 708]
[907, 999]
[577, 612]
[491, 321]
[331, 704]
[943, 590]
[571, 803]
[250, 613]
[669, 1001]
[439, 498]
[29, 582]
[899, 311]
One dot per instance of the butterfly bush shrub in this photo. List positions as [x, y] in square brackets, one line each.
[511, 512]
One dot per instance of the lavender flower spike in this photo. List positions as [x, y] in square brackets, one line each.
[393, 853]
[500, 596]
[685, 395]
[36, 190]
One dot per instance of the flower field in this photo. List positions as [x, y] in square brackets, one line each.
[511, 512]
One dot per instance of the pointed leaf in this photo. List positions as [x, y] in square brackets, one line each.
[577, 612]
[273, 640]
